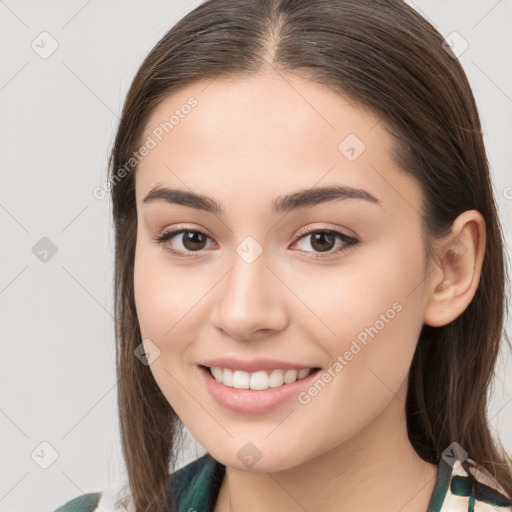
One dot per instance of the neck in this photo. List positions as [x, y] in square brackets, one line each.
[376, 466]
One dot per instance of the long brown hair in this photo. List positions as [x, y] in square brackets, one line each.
[381, 54]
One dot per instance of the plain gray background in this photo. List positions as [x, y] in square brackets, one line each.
[59, 114]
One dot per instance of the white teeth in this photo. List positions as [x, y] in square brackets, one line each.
[227, 376]
[276, 378]
[257, 380]
[217, 373]
[240, 380]
[303, 373]
[290, 376]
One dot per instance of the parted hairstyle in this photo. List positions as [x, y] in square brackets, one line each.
[382, 55]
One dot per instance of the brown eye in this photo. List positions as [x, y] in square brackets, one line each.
[324, 241]
[187, 240]
[193, 240]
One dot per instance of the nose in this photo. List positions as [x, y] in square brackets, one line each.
[250, 302]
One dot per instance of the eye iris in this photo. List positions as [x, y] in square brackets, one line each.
[322, 236]
[190, 240]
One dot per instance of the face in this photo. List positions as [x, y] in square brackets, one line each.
[332, 281]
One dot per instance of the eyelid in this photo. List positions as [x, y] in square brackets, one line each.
[349, 241]
[302, 231]
[312, 228]
[168, 233]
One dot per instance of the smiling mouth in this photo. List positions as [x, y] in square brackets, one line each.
[259, 380]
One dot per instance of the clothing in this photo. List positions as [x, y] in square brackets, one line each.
[197, 486]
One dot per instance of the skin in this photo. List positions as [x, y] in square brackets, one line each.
[245, 143]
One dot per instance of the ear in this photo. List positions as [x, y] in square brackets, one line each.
[455, 279]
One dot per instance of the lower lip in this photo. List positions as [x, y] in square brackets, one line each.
[250, 400]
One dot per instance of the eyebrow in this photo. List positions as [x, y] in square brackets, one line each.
[304, 198]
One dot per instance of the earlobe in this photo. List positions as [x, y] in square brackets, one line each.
[455, 281]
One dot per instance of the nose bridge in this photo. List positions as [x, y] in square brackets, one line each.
[247, 283]
[247, 300]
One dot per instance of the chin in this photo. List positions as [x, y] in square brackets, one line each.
[273, 462]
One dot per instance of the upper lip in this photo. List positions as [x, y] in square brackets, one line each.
[253, 365]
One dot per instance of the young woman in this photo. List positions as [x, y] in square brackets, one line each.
[310, 273]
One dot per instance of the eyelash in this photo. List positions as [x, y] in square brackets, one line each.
[350, 242]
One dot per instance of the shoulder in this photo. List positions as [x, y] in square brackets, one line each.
[473, 490]
[114, 498]
[85, 503]
[196, 485]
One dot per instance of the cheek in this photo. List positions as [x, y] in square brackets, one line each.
[376, 325]
[170, 301]
[371, 315]
[163, 293]
[162, 300]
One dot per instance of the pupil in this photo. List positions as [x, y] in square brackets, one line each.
[190, 240]
[320, 236]
[321, 241]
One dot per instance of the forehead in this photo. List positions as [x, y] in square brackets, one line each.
[264, 135]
